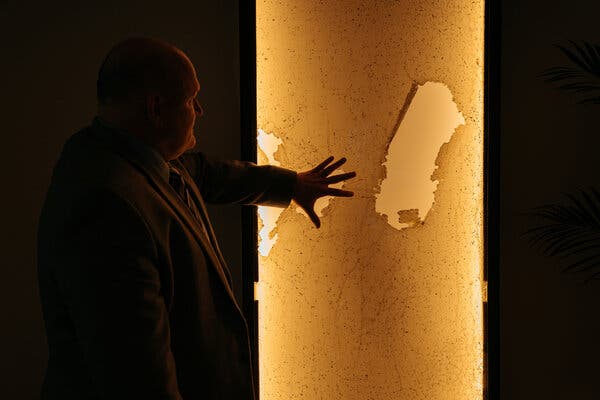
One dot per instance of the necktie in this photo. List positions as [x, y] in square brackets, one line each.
[178, 183]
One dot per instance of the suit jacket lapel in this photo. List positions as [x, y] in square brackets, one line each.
[171, 197]
[209, 228]
[204, 213]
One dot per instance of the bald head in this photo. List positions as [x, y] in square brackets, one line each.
[148, 88]
[137, 66]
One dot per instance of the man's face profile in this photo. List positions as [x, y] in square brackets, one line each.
[178, 113]
[149, 87]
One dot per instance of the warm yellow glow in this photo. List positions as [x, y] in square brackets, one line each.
[367, 306]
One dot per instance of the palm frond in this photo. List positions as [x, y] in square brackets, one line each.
[583, 76]
[570, 231]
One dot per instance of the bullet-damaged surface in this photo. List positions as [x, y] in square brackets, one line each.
[360, 309]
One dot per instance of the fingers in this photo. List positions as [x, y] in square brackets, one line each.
[338, 192]
[313, 217]
[333, 166]
[323, 164]
[338, 178]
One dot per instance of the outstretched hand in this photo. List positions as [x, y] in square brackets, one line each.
[313, 184]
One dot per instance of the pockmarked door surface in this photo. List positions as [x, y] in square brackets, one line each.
[385, 300]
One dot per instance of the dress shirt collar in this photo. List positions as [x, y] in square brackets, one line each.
[149, 156]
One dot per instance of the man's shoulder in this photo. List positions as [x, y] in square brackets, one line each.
[88, 162]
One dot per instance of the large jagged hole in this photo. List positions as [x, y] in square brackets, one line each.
[408, 192]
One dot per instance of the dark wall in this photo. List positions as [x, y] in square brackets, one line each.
[550, 328]
[50, 56]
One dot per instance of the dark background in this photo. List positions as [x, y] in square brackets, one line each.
[549, 325]
[550, 328]
[50, 57]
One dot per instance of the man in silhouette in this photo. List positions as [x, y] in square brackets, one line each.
[136, 296]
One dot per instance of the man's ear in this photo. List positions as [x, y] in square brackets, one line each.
[153, 108]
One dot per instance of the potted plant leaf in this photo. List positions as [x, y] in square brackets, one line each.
[570, 229]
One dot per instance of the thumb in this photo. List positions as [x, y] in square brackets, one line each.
[313, 216]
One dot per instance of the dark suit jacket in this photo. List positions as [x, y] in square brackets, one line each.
[136, 297]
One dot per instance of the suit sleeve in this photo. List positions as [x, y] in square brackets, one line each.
[109, 278]
[240, 182]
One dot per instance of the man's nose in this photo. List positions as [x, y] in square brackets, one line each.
[198, 108]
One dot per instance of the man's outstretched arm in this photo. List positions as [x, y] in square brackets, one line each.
[241, 182]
